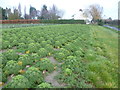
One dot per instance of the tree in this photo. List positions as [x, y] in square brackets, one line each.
[26, 16]
[7, 12]
[33, 12]
[38, 14]
[95, 12]
[19, 10]
[54, 13]
[25, 12]
[3, 14]
[14, 15]
[44, 13]
[110, 18]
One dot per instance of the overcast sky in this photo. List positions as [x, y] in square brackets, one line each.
[70, 7]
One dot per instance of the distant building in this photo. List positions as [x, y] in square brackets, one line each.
[79, 16]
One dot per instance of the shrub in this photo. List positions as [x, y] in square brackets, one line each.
[68, 71]
[71, 62]
[68, 47]
[43, 43]
[25, 59]
[3, 60]
[34, 57]
[22, 46]
[18, 81]
[32, 47]
[3, 77]
[11, 55]
[45, 64]
[34, 75]
[57, 44]
[65, 51]
[5, 45]
[44, 85]
[42, 52]
[59, 56]
[14, 43]
[12, 67]
[100, 22]
[49, 48]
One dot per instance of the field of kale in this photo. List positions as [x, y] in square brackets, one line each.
[59, 56]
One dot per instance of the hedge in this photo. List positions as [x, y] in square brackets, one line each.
[63, 21]
[28, 21]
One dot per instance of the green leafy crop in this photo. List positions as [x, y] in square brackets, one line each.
[59, 56]
[25, 59]
[35, 57]
[87, 54]
[19, 81]
[6, 44]
[34, 75]
[45, 64]
[42, 52]
[11, 55]
[32, 47]
[44, 85]
[68, 71]
[12, 67]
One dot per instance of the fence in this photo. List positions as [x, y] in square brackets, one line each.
[19, 21]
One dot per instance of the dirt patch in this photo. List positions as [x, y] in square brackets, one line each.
[20, 53]
[53, 60]
[9, 78]
[56, 49]
[50, 78]
[13, 48]
[2, 51]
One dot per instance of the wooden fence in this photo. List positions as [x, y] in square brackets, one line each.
[20, 21]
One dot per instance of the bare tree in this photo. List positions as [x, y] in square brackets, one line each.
[25, 12]
[44, 14]
[52, 13]
[19, 10]
[61, 13]
[55, 13]
[26, 16]
[38, 13]
[7, 12]
[95, 12]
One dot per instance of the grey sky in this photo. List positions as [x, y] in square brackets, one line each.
[70, 7]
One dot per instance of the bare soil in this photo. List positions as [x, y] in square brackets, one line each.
[50, 78]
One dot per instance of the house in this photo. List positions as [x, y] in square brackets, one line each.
[79, 16]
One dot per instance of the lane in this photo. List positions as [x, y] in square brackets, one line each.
[112, 27]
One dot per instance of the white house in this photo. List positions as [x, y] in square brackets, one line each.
[79, 16]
